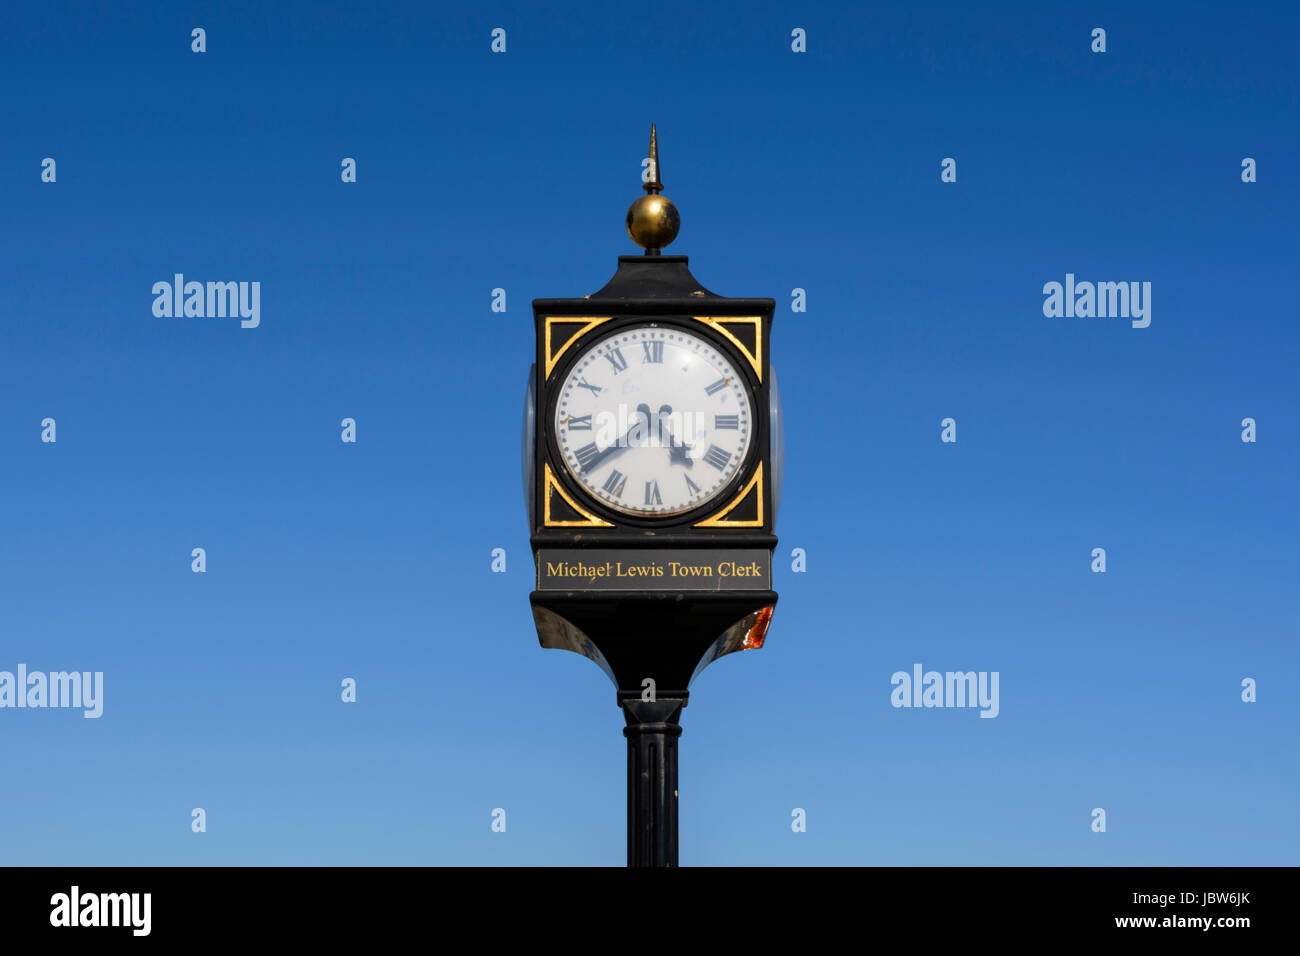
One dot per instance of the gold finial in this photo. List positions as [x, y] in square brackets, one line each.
[653, 185]
[652, 220]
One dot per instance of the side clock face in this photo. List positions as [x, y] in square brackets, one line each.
[653, 421]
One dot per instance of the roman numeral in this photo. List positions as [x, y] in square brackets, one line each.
[720, 421]
[586, 455]
[615, 482]
[652, 493]
[583, 423]
[717, 386]
[716, 457]
[654, 353]
[583, 383]
[695, 489]
[616, 359]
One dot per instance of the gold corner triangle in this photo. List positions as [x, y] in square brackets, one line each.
[720, 520]
[589, 323]
[549, 484]
[719, 323]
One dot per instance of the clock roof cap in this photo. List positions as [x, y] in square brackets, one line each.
[655, 285]
[653, 277]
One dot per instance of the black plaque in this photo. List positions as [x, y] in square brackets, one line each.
[644, 569]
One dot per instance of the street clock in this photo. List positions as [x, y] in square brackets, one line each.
[652, 475]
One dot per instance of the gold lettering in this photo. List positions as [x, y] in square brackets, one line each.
[649, 570]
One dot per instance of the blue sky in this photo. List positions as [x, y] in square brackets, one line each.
[818, 171]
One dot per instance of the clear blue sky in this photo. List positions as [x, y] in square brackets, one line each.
[818, 171]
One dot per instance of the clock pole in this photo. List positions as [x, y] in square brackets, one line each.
[652, 731]
[652, 571]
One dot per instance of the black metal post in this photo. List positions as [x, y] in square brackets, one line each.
[652, 731]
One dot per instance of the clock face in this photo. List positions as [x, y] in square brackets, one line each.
[653, 421]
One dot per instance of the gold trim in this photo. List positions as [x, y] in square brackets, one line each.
[719, 520]
[591, 320]
[717, 322]
[549, 482]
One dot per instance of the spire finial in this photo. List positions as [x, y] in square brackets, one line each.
[652, 220]
[653, 184]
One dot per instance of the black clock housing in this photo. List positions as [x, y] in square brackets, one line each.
[655, 631]
[651, 290]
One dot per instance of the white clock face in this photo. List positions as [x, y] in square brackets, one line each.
[653, 421]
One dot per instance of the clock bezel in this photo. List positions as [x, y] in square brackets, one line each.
[618, 325]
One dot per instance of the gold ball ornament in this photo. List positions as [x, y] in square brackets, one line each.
[652, 221]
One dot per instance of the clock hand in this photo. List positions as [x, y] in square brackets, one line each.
[621, 444]
[677, 453]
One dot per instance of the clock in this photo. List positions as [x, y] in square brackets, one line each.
[653, 420]
[651, 474]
